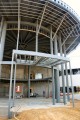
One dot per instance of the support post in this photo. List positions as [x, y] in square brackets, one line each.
[18, 24]
[57, 82]
[1, 26]
[71, 84]
[10, 89]
[14, 87]
[51, 42]
[28, 81]
[2, 40]
[48, 88]
[67, 80]
[53, 87]
[37, 37]
[62, 70]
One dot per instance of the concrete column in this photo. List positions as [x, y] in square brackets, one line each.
[28, 81]
[62, 71]
[2, 40]
[56, 74]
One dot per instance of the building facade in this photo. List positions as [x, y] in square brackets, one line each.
[35, 36]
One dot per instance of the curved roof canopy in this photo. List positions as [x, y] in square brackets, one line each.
[46, 13]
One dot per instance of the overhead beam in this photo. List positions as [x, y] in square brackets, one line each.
[73, 42]
[42, 16]
[69, 35]
[59, 25]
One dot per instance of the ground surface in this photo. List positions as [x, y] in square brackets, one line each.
[46, 113]
[67, 113]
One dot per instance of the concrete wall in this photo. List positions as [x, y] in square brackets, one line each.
[22, 71]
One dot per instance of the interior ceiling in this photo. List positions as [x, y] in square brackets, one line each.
[31, 11]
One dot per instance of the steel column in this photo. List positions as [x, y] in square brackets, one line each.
[28, 81]
[2, 40]
[71, 84]
[14, 87]
[57, 82]
[10, 89]
[18, 23]
[62, 70]
[37, 37]
[48, 88]
[67, 80]
[1, 26]
[51, 42]
[53, 87]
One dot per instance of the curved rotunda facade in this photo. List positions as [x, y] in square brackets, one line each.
[35, 37]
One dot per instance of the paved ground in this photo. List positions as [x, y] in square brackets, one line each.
[29, 103]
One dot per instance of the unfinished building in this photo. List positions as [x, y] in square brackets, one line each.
[35, 36]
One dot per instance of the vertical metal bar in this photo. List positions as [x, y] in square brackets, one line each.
[51, 42]
[25, 72]
[37, 37]
[62, 70]
[1, 26]
[14, 85]
[48, 88]
[0, 40]
[63, 84]
[28, 81]
[67, 80]
[57, 82]
[53, 87]
[18, 23]
[10, 89]
[71, 84]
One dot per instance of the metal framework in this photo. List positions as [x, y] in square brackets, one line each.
[37, 31]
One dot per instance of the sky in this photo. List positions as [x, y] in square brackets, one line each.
[75, 54]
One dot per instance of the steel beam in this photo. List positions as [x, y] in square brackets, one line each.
[73, 42]
[69, 35]
[59, 25]
[31, 53]
[42, 16]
